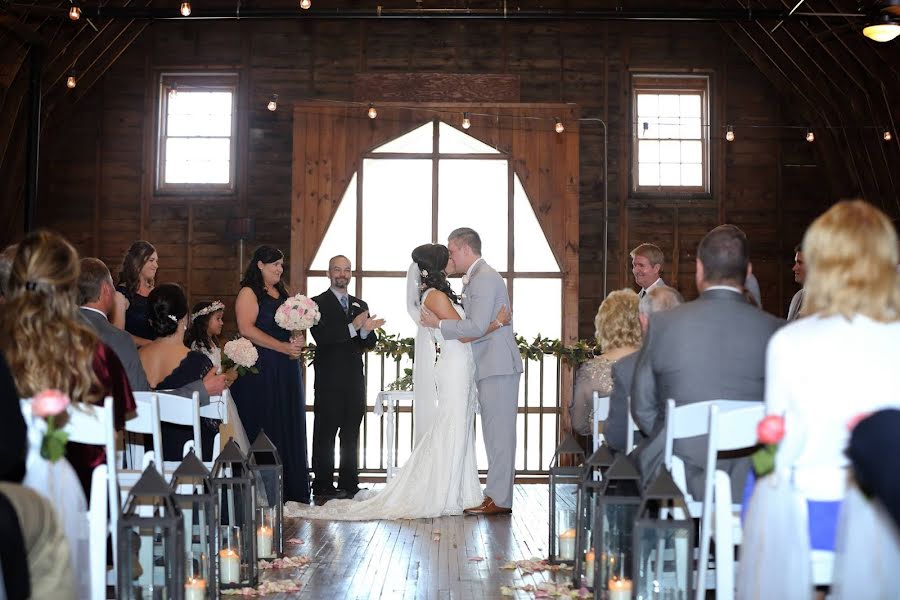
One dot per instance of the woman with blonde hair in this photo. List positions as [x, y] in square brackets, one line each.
[823, 373]
[618, 333]
[49, 346]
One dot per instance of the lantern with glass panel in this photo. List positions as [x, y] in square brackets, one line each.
[150, 541]
[265, 464]
[592, 483]
[234, 487]
[663, 543]
[194, 495]
[566, 472]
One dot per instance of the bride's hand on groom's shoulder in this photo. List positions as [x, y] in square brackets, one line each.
[428, 318]
[504, 315]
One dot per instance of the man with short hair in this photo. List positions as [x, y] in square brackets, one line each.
[710, 349]
[799, 270]
[6, 261]
[646, 266]
[615, 430]
[96, 295]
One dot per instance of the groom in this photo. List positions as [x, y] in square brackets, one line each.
[498, 365]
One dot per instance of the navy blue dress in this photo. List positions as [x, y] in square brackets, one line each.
[192, 367]
[137, 317]
[273, 400]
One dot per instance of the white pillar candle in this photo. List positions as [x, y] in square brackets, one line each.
[229, 566]
[264, 542]
[619, 589]
[195, 589]
[589, 568]
[567, 545]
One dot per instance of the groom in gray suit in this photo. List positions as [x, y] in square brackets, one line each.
[498, 365]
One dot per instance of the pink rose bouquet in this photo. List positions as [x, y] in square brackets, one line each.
[297, 313]
[49, 405]
[769, 433]
[241, 355]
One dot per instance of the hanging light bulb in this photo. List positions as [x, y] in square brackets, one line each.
[273, 103]
[305, 4]
[729, 135]
[887, 135]
[559, 126]
[884, 29]
[810, 136]
[185, 9]
[372, 112]
[75, 11]
[71, 80]
[466, 123]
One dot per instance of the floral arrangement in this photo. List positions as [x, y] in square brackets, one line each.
[769, 433]
[49, 405]
[297, 313]
[240, 354]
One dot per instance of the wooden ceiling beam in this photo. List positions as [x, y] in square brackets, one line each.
[21, 31]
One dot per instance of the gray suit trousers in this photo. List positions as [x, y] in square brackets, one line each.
[499, 399]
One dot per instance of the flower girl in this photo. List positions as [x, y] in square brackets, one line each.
[205, 329]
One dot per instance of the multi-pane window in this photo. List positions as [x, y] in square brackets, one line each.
[196, 133]
[671, 125]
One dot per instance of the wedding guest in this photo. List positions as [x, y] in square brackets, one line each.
[873, 439]
[13, 432]
[204, 330]
[169, 364]
[799, 270]
[6, 259]
[646, 266]
[136, 280]
[49, 346]
[751, 290]
[618, 333]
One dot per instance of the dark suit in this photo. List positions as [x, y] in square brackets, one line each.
[710, 349]
[340, 389]
[615, 430]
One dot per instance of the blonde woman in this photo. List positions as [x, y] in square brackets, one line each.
[618, 332]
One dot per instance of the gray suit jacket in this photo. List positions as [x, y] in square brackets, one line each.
[615, 430]
[496, 353]
[710, 349]
[121, 343]
[796, 303]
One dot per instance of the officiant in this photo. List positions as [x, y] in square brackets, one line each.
[345, 331]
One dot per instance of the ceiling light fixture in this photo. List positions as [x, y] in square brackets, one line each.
[887, 135]
[72, 80]
[273, 103]
[466, 123]
[372, 112]
[884, 29]
[75, 11]
[305, 4]
[185, 9]
[729, 135]
[559, 126]
[810, 136]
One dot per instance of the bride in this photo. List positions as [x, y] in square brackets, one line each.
[441, 475]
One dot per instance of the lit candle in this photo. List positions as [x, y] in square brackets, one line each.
[195, 589]
[264, 542]
[229, 566]
[619, 589]
[567, 545]
[589, 568]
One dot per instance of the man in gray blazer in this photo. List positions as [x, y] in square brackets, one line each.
[498, 365]
[710, 349]
[96, 295]
[799, 270]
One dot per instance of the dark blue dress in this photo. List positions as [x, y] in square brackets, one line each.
[137, 317]
[192, 367]
[273, 400]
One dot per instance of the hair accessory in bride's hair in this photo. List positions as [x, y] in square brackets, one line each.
[424, 273]
[173, 318]
[216, 306]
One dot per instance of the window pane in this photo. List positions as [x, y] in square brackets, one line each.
[690, 105]
[386, 297]
[473, 193]
[532, 252]
[198, 171]
[648, 174]
[690, 128]
[648, 151]
[692, 152]
[537, 308]
[341, 235]
[198, 149]
[647, 105]
[692, 175]
[417, 141]
[199, 113]
[669, 152]
[454, 141]
[396, 212]
[669, 128]
[669, 105]
[669, 174]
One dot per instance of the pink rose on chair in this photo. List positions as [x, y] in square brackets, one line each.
[770, 429]
[49, 403]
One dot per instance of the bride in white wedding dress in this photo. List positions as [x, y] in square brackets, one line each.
[441, 475]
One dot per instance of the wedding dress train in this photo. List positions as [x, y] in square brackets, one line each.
[441, 475]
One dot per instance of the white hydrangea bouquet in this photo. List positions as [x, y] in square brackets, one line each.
[241, 355]
[298, 313]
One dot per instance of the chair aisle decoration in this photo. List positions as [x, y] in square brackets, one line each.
[615, 510]
[151, 541]
[235, 495]
[265, 465]
[194, 495]
[564, 481]
[663, 542]
[592, 483]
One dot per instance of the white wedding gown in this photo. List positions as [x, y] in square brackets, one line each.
[441, 475]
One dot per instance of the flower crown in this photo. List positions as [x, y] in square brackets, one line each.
[216, 306]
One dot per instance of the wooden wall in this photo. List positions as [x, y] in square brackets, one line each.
[98, 163]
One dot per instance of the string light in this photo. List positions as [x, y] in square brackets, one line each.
[185, 9]
[559, 126]
[372, 112]
[887, 135]
[810, 136]
[466, 123]
[729, 135]
[71, 80]
[75, 11]
[273, 103]
[305, 4]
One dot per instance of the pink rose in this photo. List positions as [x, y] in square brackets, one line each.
[49, 403]
[770, 429]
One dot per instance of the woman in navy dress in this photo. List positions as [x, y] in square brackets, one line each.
[136, 280]
[272, 400]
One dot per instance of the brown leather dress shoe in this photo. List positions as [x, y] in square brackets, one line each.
[487, 509]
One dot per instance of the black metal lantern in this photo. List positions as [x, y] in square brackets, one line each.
[235, 496]
[663, 542]
[195, 497]
[592, 483]
[615, 511]
[564, 481]
[266, 465]
[151, 541]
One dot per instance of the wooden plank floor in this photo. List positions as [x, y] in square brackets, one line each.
[420, 559]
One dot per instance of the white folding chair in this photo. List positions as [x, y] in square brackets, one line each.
[179, 410]
[217, 409]
[147, 422]
[599, 414]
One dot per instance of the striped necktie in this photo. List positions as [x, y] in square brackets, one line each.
[344, 305]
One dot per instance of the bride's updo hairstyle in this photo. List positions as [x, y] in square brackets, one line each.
[168, 306]
[432, 260]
